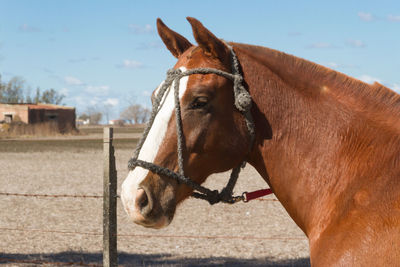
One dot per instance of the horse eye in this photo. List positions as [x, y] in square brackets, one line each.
[199, 102]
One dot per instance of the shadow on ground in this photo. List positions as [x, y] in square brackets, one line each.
[76, 258]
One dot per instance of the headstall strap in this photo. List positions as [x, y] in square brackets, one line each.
[242, 103]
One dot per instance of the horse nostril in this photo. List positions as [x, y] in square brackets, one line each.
[142, 201]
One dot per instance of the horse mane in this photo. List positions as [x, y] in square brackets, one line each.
[314, 80]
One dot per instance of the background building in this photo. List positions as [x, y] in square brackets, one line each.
[38, 113]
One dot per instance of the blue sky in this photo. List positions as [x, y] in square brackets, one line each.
[108, 52]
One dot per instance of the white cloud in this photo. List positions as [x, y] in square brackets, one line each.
[396, 87]
[27, 28]
[64, 91]
[82, 59]
[139, 29]
[332, 65]
[7, 74]
[146, 93]
[295, 34]
[335, 65]
[82, 101]
[150, 45]
[355, 43]
[72, 81]
[130, 64]
[321, 45]
[97, 90]
[93, 101]
[48, 71]
[77, 60]
[366, 16]
[394, 18]
[111, 102]
[369, 79]
[78, 99]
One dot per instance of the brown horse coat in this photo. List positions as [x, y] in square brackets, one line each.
[331, 151]
[327, 144]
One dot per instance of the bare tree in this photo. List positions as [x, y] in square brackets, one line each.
[93, 114]
[145, 115]
[12, 91]
[135, 114]
[131, 113]
[51, 96]
[106, 111]
[84, 117]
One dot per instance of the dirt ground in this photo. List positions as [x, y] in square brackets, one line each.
[36, 230]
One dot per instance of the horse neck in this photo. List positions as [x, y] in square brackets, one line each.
[301, 120]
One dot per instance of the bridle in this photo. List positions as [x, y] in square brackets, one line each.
[242, 103]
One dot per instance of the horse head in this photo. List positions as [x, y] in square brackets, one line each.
[215, 137]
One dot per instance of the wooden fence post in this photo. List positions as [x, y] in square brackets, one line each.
[110, 256]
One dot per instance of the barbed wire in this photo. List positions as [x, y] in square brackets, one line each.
[50, 231]
[95, 233]
[156, 235]
[48, 262]
[84, 196]
[213, 237]
[48, 195]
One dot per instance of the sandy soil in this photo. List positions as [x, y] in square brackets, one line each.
[257, 233]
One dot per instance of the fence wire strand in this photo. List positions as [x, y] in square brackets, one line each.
[41, 262]
[85, 196]
[95, 233]
[154, 235]
[48, 195]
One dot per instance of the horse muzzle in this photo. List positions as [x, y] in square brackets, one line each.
[144, 208]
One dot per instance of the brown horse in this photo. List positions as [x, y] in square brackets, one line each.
[327, 144]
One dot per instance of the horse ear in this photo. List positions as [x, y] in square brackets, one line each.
[208, 41]
[175, 42]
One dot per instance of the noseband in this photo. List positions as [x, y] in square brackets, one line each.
[242, 103]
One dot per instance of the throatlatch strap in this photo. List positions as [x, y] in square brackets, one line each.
[256, 194]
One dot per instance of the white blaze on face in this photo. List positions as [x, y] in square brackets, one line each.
[152, 143]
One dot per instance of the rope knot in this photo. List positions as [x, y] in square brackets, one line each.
[238, 78]
[243, 101]
[173, 72]
[132, 163]
[214, 197]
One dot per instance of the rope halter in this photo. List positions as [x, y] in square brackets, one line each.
[242, 103]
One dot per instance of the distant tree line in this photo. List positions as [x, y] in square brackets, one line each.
[92, 115]
[14, 91]
[135, 113]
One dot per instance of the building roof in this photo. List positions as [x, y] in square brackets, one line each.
[39, 106]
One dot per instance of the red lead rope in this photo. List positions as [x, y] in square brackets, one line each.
[256, 194]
